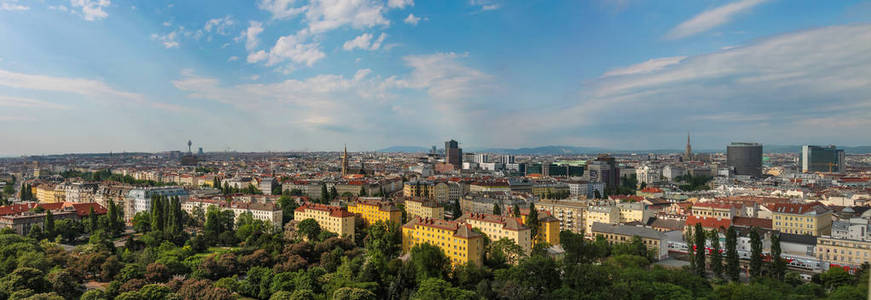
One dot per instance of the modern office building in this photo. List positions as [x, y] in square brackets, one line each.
[745, 158]
[453, 154]
[821, 159]
[603, 169]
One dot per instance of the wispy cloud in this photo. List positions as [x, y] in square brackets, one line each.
[94, 89]
[648, 66]
[709, 19]
[411, 19]
[20, 102]
[364, 42]
[92, 10]
[12, 5]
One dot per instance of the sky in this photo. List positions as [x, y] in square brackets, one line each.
[310, 75]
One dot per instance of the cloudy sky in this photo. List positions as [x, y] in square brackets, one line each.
[147, 75]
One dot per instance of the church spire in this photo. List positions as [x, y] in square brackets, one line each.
[689, 153]
[345, 161]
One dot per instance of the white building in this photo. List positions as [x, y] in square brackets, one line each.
[259, 211]
[139, 199]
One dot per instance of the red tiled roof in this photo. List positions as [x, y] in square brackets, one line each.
[651, 190]
[627, 197]
[721, 205]
[335, 211]
[796, 208]
[709, 223]
[750, 222]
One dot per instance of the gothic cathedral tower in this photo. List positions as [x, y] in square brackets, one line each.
[345, 162]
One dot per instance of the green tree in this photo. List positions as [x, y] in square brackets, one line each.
[699, 258]
[716, 256]
[352, 293]
[288, 206]
[505, 251]
[755, 253]
[778, 265]
[456, 210]
[732, 270]
[333, 193]
[429, 262]
[309, 228]
[325, 195]
[497, 210]
[435, 288]
[362, 192]
[532, 222]
[92, 217]
[49, 225]
[516, 210]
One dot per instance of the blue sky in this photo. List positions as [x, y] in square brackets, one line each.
[122, 75]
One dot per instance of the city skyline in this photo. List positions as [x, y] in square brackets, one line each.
[272, 75]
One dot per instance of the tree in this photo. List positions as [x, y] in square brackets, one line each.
[352, 293]
[64, 283]
[516, 210]
[362, 192]
[456, 211]
[732, 270]
[496, 209]
[333, 193]
[325, 195]
[429, 262]
[778, 265]
[92, 217]
[716, 256]
[435, 288]
[505, 251]
[288, 205]
[216, 183]
[700, 249]
[532, 222]
[755, 252]
[49, 225]
[309, 228]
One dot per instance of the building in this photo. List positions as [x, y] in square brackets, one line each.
[843, 252]
[811, 218]
[548, 229]
[268, 212]
[49, 193]
[266, 185]
[717, 210]
[822, 159]
[423, 208]
[418, 188]
[334, 219]
[139, 199]
[447, 191]
[21, 218]
[585, 189]
[345, 162]
[372, 210]
[617, 233]
[745, 158]
[498, 227]
[857, 229]
[569, 213]
[454, 154]
[603, 169]
[605, 214]
[688, 155]
[457, 240]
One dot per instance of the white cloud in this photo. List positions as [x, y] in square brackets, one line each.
[771, 88]
[648, 66]
[294, 48]
[92, 9]
[485, 5]
[250, 34]
[365, 42]
[411, 19]
[711, 18]
[169, 40]
[166, 24]
[29, 103]
[220, 25]
[444, 77]
[400, 4]
[13, 6]
[233, 58]
[93, 89]
[325, 15]
[281, 9]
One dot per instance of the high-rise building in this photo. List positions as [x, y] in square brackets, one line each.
[453, 154]
[603, 169]
[688, 156]
[821, 159]
[745, 158]
[345, 162]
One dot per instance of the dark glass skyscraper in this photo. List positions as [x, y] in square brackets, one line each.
[746, 158]
[821, 159]
[453, 154]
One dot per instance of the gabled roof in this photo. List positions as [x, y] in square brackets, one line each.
[751, 222]
[709, 223]
[460, 229]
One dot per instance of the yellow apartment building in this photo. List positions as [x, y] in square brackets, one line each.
[424, 208]
[457, 240]
[499, 227]
[334, 219]
[810, 218]
[372, 210]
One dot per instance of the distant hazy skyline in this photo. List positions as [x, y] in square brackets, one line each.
[281, 75]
